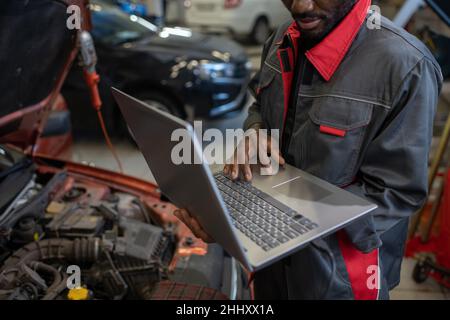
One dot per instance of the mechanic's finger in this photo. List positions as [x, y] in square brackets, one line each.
[192, 224]
[235, 170]
[195, 224]
[247, 172]
[263, 153]
[178, 214]
[205, 237]
[276, 155]
[196, 233]
[240, 159]
[227, 169]
[199, 231]
[275, 152]
[184, 216]
[246, 169]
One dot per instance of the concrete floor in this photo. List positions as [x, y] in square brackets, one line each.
[96, 153]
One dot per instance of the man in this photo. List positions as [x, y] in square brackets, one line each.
[355, 106]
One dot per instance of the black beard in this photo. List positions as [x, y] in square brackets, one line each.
[308, 41]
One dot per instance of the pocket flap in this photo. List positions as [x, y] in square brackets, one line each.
[340, 113]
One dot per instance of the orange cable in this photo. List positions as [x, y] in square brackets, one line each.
[108, 140]
[92, 79]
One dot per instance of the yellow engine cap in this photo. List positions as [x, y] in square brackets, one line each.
[78, 294]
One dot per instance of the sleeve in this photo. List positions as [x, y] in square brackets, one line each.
[254, 118]
[394, 171]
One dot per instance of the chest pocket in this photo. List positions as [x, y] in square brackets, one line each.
[330, 137]
[270, 94]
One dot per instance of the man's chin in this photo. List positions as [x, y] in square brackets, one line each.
[313, 36]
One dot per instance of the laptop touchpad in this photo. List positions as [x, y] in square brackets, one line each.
[302, 189]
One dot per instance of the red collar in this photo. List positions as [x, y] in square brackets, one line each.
[329, 53]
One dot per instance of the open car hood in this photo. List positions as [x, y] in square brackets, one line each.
[34, 70]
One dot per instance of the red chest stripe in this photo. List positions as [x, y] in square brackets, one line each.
[333, 131]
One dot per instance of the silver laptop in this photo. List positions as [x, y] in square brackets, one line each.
[258, 223]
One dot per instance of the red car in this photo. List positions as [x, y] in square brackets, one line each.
[110, 234]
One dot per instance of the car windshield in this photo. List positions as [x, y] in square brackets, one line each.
[112, 26]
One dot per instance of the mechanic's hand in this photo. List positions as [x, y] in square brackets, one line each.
[193, 224]
[256, 149]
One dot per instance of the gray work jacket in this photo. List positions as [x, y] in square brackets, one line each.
[383, 96]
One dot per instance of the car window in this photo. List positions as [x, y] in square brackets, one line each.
[112, 26]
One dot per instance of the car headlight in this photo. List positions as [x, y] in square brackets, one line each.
[210, 70]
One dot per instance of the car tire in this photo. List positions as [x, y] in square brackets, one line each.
[161, 102]
[421, 271]
[260, 31]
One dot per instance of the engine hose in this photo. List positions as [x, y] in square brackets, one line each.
[78, 251]
[54, 289]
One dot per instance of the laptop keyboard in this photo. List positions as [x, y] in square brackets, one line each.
[263, 219]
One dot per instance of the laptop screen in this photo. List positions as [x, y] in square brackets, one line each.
[442, 8]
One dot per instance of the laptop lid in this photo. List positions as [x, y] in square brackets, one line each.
[187, 185]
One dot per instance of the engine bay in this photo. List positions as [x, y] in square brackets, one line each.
[68, 235]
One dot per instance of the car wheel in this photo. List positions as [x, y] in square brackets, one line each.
[421, 271]
[161, 102]
[261, 31]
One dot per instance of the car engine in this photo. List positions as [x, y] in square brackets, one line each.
[68, 236]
